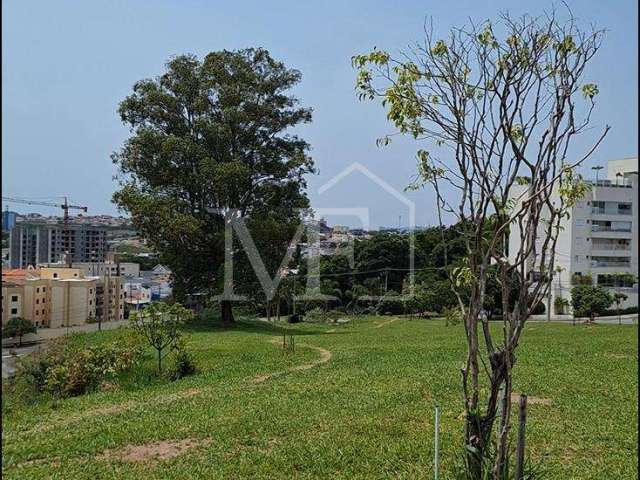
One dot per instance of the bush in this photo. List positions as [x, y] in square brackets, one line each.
[391, 304]
[452, 315]
[66, 370]
[183, 364]
[559, 305]
[590, 301]
[623, 311]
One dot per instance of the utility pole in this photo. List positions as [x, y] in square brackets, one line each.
[386, 279]
[597, 169]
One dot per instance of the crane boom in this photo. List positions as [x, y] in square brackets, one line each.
[48, 204]
[64, 206]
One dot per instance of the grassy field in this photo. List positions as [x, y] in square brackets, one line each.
[359, 404]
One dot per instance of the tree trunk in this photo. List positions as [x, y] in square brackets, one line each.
[278, 310]
[268, 311]
[226, 312]
[477, 437]
[159, 361]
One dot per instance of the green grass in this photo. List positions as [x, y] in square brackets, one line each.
[366, 413]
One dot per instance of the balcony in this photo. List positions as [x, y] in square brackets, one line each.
[611, 228]
[610, 247]
[624, 183]
[610, 211]
[621, 262]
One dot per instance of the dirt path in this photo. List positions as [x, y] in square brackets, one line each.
[325, 356]
[380, 325]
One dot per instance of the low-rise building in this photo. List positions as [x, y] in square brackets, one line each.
[122, 269]
[59, 297]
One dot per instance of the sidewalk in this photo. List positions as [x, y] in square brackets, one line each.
[628, 319]
[44, 334]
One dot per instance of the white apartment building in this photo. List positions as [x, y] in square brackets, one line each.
[600, 239]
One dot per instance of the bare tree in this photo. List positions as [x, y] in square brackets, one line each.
[499, 106]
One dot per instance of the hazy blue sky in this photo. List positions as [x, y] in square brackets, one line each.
[67, 64]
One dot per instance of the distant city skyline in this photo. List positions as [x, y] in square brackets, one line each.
[67, 65]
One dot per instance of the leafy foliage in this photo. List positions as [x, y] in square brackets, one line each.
[18, 327]
[159, 325]
[65, 369]
[590, 300]
[209, 136]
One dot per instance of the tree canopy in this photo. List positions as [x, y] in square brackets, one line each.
[210, 138]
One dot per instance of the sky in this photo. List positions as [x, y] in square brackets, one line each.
[67, 64]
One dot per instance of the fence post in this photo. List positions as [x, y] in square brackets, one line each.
[436, 456]
[522, 421]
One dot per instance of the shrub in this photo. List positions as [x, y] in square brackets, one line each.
[452, 315]
[316, 315]
[589, 300]
[560, 304]
[390, 304]
[66, 370]
[183, 364]
[18, 327]
[85, 369]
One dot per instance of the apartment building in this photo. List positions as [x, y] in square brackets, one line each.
[59, 297]
[599, 242]
[99, 269]
[36, 243]
[110, 299]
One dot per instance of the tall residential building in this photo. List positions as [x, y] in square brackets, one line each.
[599, 242]
[33, 244]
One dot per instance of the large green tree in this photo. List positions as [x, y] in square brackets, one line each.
[210, 137]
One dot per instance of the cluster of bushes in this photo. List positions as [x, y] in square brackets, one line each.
[623, 311]
[67, 369]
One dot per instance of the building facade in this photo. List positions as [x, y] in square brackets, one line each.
[60, 297]
[34, 244]
[598, 244]
[99, 269]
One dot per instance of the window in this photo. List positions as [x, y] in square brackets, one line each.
[55, 275]
[14, 298]
[37, 301]
[14, 311]
[44, 289]
[37, 290]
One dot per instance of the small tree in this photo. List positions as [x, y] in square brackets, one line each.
[618, 298]
[496, 108]
[18, 327]
[159, 324]
[589, 301]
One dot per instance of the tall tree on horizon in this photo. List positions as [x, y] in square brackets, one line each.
[209, 138]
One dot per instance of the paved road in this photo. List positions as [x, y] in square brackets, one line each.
[10, 355]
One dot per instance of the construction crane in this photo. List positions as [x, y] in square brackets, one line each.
[64, 206]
